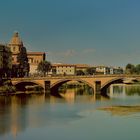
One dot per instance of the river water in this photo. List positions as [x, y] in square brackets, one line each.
[76, 116]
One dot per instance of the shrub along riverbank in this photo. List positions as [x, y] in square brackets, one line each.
[7, 88]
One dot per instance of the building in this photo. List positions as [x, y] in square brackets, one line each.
[68, 69]
[116, 70]
[5, 60]
[102, 70]
[108, 70]
[15, 47]
[63, 69]
[34, 58]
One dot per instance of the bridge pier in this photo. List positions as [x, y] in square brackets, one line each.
[54, 92]
[97, 88]
[47, 87]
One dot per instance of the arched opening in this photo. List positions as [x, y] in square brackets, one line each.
[105, 87]
[67, 86]
[29, 87]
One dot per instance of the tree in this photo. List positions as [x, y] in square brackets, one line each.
[5, 61]
[22, 59]
[80, 72]
[90, 71]
[14, 71]
[44, 67]
[137, 69]
[130, 68]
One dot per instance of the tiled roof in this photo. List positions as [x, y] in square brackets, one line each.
[82, 66]
[64, 65]
[36, 53]
[76, 65]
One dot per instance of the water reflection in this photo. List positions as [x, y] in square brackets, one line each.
[17, 113]
[84, 94]
[123, 90]
[78, 90]
[70, 94]
[11, 118]
[14, 114]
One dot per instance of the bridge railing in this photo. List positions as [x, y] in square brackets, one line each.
[75, 76]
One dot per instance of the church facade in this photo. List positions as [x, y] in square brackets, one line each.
[34, 58]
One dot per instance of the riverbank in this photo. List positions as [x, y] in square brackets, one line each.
[6, 87]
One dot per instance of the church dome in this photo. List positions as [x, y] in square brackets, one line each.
[16, 40]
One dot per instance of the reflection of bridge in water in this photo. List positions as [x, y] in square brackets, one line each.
[99, 83]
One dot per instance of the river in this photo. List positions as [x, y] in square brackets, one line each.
[79, 115]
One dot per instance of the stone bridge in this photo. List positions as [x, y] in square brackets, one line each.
[99, 83]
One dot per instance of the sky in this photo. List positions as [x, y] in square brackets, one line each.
[96, 32]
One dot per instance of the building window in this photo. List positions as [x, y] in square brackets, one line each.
[30, 60]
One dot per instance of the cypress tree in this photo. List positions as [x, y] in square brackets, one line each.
[22, 59]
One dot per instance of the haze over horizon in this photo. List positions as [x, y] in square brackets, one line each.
[99, 32]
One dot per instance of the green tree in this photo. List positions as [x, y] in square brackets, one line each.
[5, 60]
[14, 71]
[130, 69]
[23, 69]
[90, 71]
[80, 72]
[137, 69]
[44, 67]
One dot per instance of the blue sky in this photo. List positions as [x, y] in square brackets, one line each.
[100, 32]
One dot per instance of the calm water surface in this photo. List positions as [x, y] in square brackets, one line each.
[75, 117]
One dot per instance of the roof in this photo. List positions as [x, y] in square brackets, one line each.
[64, 65]
[16, 40]
[82, 66]
[75, 65]
[39, 53]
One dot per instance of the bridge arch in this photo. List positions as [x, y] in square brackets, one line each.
[21, 85]
[56, 85]
[108, 83]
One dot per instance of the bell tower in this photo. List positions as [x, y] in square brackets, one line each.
[15, 46]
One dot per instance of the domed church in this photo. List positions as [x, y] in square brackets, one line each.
[34, 58]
